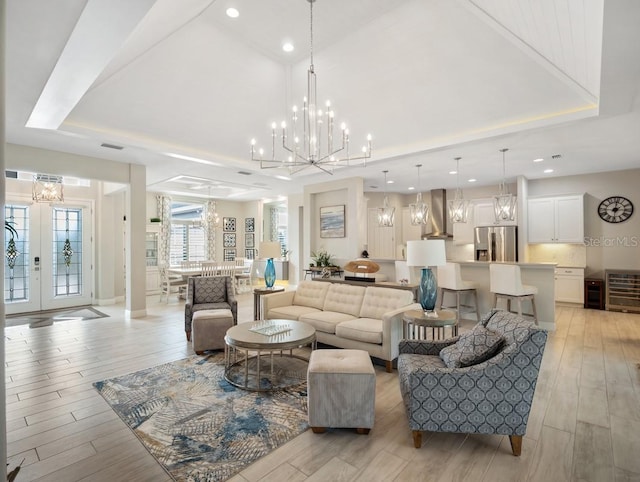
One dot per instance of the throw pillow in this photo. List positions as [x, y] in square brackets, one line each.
[472, 348]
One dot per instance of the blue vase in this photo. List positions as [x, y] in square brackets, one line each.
[270, 273]
[428, 290]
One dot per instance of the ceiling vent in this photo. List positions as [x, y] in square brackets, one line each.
[11, 174]
[111, 146]
[556, 156]
[244, 173]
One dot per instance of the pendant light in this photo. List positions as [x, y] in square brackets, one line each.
[418, 211]
[504, 203]
[458, 206]
[386, 213]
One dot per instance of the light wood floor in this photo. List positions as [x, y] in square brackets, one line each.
[584, 425]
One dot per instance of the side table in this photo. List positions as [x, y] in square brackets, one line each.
[257, 293]
[415, 324]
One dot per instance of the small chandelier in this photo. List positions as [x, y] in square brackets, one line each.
[47, 188]
[210, 216]
[418, 211]
[304, 141]
[458, 206]
[504, 203]
[386, 213]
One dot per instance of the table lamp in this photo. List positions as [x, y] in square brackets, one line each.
[270, 250]
[426, 253]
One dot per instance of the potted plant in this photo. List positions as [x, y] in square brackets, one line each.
[321, 258]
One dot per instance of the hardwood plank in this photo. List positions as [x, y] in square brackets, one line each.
[593, 407]
[593, 455]
[626, 443]
[553, 457]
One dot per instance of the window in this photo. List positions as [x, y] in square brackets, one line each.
[188, 237]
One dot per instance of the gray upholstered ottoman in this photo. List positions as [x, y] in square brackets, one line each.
[341, 389]
[209, 328]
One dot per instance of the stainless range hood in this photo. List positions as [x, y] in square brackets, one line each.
[439, 216]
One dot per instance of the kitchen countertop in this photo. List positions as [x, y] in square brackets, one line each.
[524, 265]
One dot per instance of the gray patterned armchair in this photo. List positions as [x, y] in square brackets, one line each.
[209, 293]
[491, 397]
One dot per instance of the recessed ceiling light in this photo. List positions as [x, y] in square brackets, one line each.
[453, 172]
[284, 178]
[287, 47]
[472, 180]
[232, 12]
[548, 171]
[411, 188]
[390, 182]
[539, 159]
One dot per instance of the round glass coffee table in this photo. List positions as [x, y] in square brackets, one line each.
[251, 346]
[416, 323]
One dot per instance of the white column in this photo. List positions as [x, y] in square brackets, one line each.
[3, 408]
[136, 209]
[105, 248]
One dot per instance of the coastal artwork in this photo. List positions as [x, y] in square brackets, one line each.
[332, 222]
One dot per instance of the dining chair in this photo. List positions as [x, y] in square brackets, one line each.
[209, 269]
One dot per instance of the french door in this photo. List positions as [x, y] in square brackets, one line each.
[48, 264]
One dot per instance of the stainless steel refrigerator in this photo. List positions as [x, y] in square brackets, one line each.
[496, 243]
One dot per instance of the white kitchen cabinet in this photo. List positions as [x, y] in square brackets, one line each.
[463, 232]
[380, 240]
[410, 232]
[484, 214]
[569, 285]
[558, 219]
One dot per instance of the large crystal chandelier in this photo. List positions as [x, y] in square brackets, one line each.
[458, 206]
[504, 203]
[386, 213]
[419, 211]
[310, 141]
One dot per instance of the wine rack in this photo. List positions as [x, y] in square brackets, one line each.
[623, 290]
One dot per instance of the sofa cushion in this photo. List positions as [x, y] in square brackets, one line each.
[368, 330]
[311, 293]
[472, 348]
[325, 321]
[291, 312]
[344, 298]
[378, 301]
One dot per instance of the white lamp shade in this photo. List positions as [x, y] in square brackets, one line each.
[426, 252]
[270, 249]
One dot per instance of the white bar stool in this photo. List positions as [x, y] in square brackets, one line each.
[505, 282]
[450, 281]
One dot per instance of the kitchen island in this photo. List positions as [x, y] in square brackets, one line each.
[540, 275]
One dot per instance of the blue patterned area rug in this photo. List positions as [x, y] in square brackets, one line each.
[197, 425]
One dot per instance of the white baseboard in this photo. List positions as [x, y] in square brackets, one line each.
[106, 302]
[135, 314]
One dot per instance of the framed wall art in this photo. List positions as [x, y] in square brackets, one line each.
[229, 240]
[250, 253]
[249, 240]
[229, 254]
[249, 225]
[332, 222]
[229, 224]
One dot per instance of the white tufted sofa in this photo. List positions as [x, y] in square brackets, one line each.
[347, 316]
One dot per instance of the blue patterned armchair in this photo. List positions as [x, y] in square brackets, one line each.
[491, 397]
[209, 293]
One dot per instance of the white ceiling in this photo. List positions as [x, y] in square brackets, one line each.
[429, 79]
